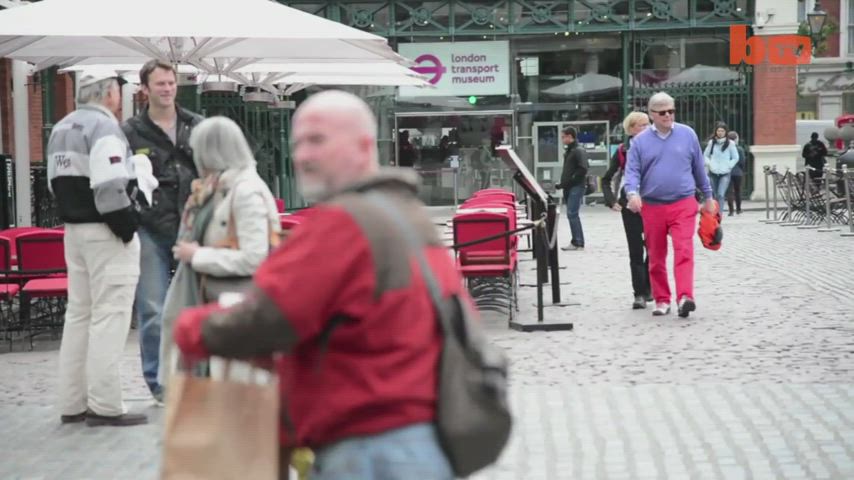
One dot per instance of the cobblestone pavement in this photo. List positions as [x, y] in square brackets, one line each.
[757, 384]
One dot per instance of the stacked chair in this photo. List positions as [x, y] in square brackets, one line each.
[490, 268]
[33, 282]
[291, 219]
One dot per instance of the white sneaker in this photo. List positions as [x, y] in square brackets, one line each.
[661, 309]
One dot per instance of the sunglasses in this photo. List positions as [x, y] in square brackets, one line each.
[664, 112]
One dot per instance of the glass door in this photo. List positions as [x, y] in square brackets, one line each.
[454, 152]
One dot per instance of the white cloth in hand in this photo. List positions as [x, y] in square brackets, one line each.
[144, 175]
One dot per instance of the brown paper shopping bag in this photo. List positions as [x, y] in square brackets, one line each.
[220, 429]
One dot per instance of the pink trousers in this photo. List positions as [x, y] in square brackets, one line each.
[678, 220]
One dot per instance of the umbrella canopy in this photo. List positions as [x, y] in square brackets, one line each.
[128, 71]
[294, 83]
[290, 78]
[587, 83]
[52, 32]
[703, 73]
[374, 73]
[269, 73]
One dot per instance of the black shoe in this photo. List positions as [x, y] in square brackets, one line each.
[730, 214]
[686, 306]
[124, 420]
[639, 302]
[738, 212]
[73, 418]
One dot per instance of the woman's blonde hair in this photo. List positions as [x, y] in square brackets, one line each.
[632, 119]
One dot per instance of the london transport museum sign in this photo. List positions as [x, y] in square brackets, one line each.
[459, 68]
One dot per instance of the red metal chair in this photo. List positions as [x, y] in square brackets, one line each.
[289, 221]
[483, 263]
[494, 191]
[43, 273]
[508, 209]
[12, 234]
[8, 294]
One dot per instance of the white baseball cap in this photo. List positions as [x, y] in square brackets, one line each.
[91, 77]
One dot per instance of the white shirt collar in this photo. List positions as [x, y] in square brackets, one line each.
[660, 133]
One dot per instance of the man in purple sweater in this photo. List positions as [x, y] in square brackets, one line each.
[663, 171]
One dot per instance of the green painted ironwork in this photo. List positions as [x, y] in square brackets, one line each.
[265, 129]
[495, 18]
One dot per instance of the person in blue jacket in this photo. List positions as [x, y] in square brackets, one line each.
[721, 157]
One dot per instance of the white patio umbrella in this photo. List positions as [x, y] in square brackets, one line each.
[271, 73]
[703, 73]
[584, 84]
[209, 35]
[128, 71]
[296, 82]
[276, 78]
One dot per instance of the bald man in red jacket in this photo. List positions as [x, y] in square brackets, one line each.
[345, 300]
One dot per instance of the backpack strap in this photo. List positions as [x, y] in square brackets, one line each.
[621, 155]
[416, 245]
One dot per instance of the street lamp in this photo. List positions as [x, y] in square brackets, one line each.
[816, 19]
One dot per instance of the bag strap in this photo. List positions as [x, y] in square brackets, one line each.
[416, 245]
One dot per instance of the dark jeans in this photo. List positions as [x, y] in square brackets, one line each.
[734, 193]
[573, 197]
[638, 259]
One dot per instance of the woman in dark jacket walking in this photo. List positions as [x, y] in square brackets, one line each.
[736, 175]
[634, 123]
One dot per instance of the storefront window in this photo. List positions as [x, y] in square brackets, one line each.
[850, 27]
[687, 60]
[454, 153]
[574, 68]
[807, 107]
[847, 103]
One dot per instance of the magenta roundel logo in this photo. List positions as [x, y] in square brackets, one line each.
[430, 65]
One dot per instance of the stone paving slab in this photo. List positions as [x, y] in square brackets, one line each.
[758, 384]
[716, 431]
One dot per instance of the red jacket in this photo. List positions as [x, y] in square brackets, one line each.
[348, 303]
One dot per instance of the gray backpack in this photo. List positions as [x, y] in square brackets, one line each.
[473, 417]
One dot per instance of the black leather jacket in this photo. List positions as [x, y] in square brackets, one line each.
[574, 166]
[172, 165]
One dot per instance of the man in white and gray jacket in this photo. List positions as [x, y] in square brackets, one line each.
[90, 174]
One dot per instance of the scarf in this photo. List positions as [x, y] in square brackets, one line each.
[199, 208]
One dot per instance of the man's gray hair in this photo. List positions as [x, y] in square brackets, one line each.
[95, 93]
[660, 99]
[218, 144]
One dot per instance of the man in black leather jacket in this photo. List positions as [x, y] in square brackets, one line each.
[161, 131]
[572, 181]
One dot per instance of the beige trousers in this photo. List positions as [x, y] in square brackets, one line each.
[102, 276]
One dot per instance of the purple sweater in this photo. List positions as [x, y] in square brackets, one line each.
[666, 170]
